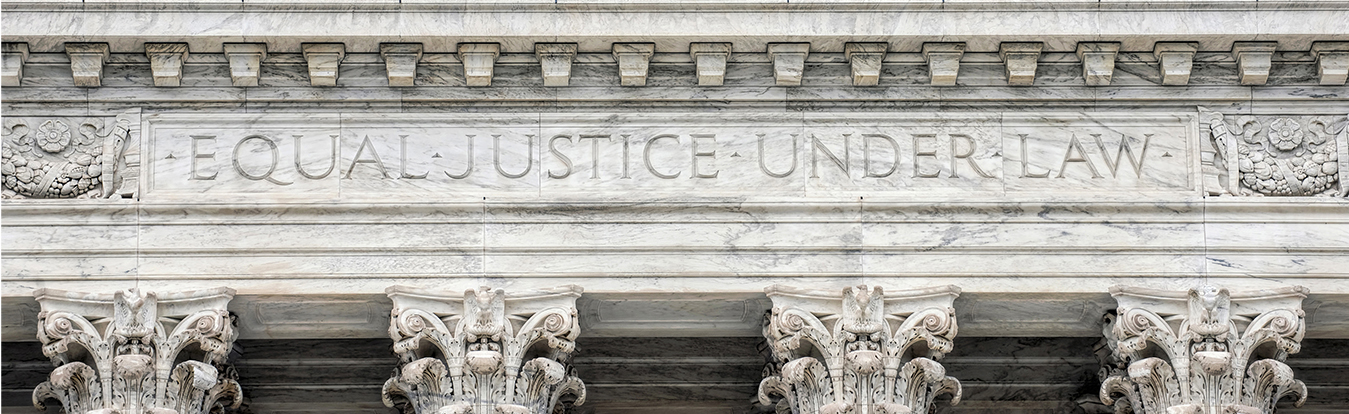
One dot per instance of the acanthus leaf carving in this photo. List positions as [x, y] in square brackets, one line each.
[1203, 351]
[70, 157]
[483, 352]
[862, 352]
[132, 366]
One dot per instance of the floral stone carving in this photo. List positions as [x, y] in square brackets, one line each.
[1204, 351]
[1280, 155]
[484, 352]
[119, 353]
[70, 157]
[863, 352]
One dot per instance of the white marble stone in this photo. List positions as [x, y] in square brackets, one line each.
[1098, 61]
[1176, 60]
[789, 60]
[400, 61]
[1253, 60]
[555, 60]
[479, 61]
[866, 62]
[324, 59]
[710, 59]
[943, 62]
[634, 60]
[1021, 60]
[86, 62]
[1332, 60]
[11, 67]
[245, 60]
[166, 62]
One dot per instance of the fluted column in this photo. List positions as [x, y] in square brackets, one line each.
[117, 353]
[483, 352]
[1205, 351]
[879, 351]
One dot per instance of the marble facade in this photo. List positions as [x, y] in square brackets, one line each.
[525, 206]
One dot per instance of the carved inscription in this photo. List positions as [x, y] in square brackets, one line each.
[679, 153]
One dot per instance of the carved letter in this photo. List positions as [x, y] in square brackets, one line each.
[817, 146]
[594, 152]
[276, 159]
[1123, 148]
[866, 155]
[918, 152]
[496, 157]
[376, 160]
[763, 164]
[696, 154]
[646, 156]
[966, 156]
[332, 162]
[1025, 161]
[552, 148]
[468, 169]
[403, 160]
[1068, 157]
[197, 155]
[625, 158]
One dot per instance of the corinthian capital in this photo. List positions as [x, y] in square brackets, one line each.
[879, 351]
[483, 352]
[1204, 351]
[117, 353]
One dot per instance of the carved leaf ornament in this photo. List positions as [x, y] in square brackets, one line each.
[115, 354]
[483, 355]
[1280, 155]
[1197, 354]
[64, 158]
[872, 354]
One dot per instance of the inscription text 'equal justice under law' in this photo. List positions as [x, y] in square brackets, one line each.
[856, 155]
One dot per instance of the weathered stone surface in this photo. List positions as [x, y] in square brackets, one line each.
[1192, 351]
[400, 61]
[166, 62]
[131, 361]
[479, 353]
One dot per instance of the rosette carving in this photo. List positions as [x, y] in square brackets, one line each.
[1280, 155]
[1204, 351]
[484, 352]
[70, 157]
[160, 353]
[863, 352]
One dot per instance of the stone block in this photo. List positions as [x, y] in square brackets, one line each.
[710, 59]
[1332, 61]
[11, 70]
[555, 60]
[324, 60]
[166, 62]
[245, 62]
[1175, 60]
[86, 62]
[943, 61]
[1098, 61]
[400, 61]
[1021, 59]
[866, 61]
[789, 62]
[479, 61]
